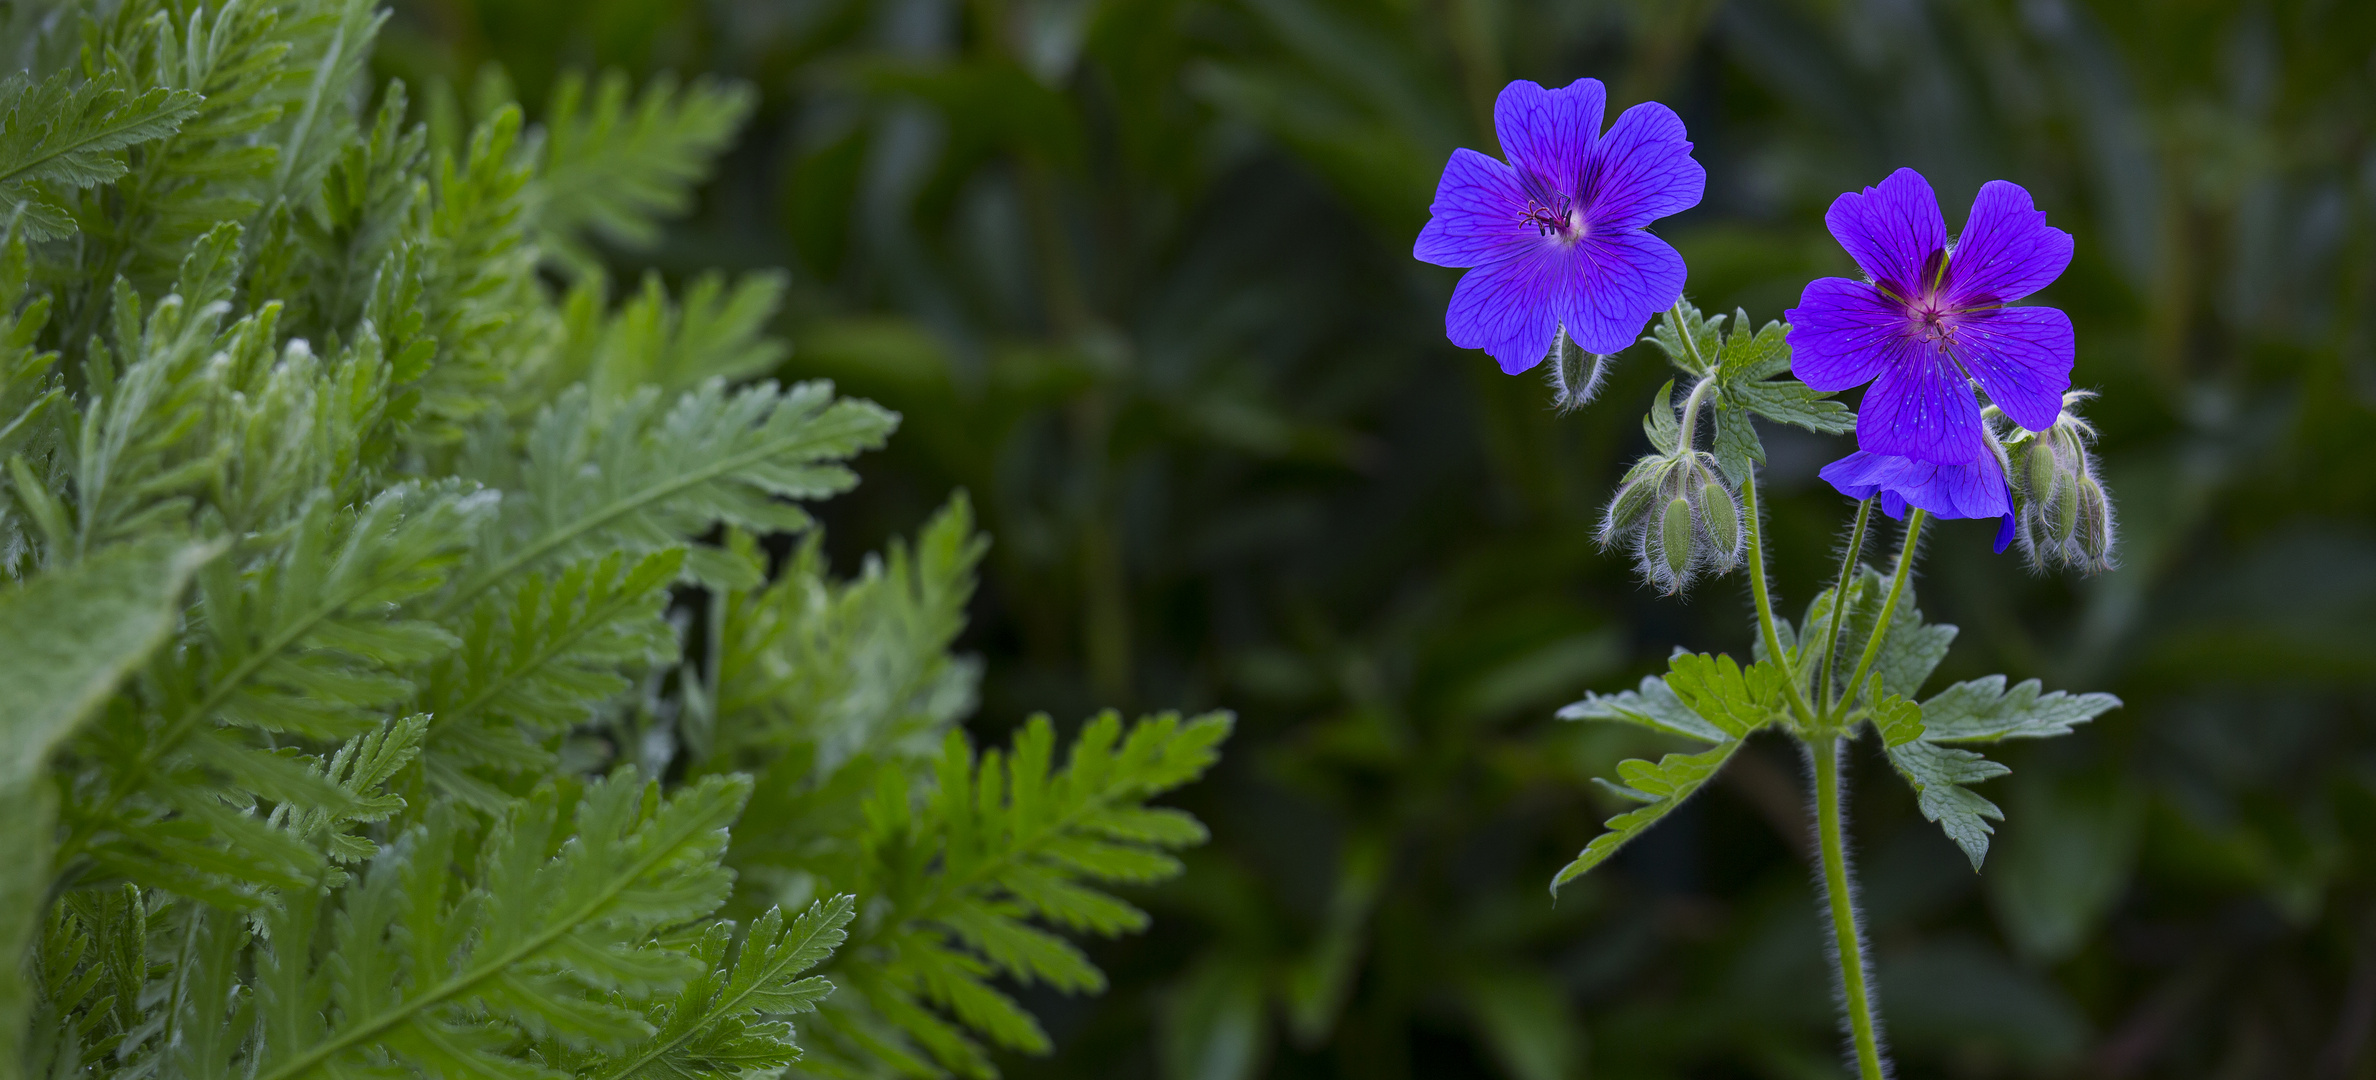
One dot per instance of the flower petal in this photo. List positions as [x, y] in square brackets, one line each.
[1479, 214]
[1548, 134]
[1891, 229]
[1509, 308]
[1862, 474]
[1619, 280]
[2022, 356]
[1974, 489]
[1921, 408]
[2007, 251]
[1641, 170]
[1843, 333]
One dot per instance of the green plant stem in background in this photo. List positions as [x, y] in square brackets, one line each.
[1847, 936]
[1765, 604]
[1897, 588]
[1831, 645]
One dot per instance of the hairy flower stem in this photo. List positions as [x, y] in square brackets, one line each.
[1847, 936]
[1765, 604]
[1897, 588]
[1691, 407]
[1831, 645]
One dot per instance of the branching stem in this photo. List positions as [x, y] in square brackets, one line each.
[1897, 588]
[1831, 646]
[1856, 999]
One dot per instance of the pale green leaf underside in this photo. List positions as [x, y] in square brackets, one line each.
[1984, 710]
[1938, 775]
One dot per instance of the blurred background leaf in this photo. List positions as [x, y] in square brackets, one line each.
[1138, 273]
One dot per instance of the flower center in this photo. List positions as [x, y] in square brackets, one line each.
[1933, 319]
[1554, 216]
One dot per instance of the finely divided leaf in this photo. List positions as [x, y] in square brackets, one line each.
[1711, 698]
[67, 134]
[1003, 842]
[1652, 706]
[651, 470]
[616, 164]
[732, 1019]
[1983, 710]
[66, 639]
[544, 657]
[1663, 786]
[1735, 699]
[1937, 774]
[552, 936]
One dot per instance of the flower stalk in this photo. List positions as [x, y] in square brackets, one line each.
[1897, 588]
[1847, 935]
[1765, 602]
[1831, 646]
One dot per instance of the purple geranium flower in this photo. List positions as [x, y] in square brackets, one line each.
[1555, 236]
[1934, 318]
[1974, 489]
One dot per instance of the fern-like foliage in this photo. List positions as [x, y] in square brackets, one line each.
[972, 883]
[617, 163]
[350, 567]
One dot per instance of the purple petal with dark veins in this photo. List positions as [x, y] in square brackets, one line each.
[1479, 215]
[1843, 334]
[2022, 356]
[1642, 170]
[1921, 408]
[1548, 134]
[2007, 251]
[1621, 279]
[1507, 308]
[1891, 229]
[1975, 489]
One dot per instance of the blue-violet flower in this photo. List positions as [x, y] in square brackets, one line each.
[1933, 318]
[1974, 489]
[1554, 238]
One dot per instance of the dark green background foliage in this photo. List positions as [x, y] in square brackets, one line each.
[1137, 274]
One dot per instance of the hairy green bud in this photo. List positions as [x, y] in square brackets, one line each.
[1679, 517]
[1574, 374]
[1635, 495]
[1723, 521]
[1674, 536]
[2064, 516]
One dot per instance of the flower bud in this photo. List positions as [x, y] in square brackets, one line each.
[1674, 535]
[1679, 516]
[1575, 375]
[2065, 518]
[1635, 495]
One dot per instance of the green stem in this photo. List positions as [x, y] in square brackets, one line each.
[1846, 935]
[1765, 605]
[1831, 647]
[1688, 438]
[1897, 588]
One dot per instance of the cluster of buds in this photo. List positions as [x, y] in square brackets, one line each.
[2065, 521]
[1678, 516]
